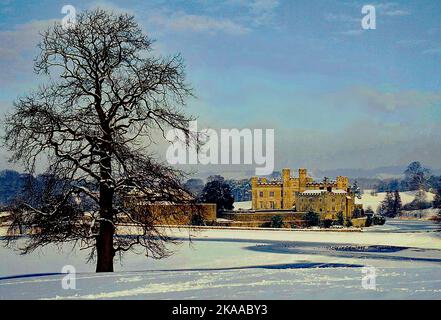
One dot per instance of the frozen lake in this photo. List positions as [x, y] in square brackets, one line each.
[236, 264]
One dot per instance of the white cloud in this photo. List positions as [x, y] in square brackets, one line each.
[397, 13]
[354, 32]
[263, 10]
[391, 9]
[23, 37]
[255, 13]
[109, 6]
[246, 16]
[432, 51]
[18, 48]
[332, 17]
[384, 101]
[196, 23]
[411, 42]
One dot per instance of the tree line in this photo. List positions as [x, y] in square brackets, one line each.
[415, 177]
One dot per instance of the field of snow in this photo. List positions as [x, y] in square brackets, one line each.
[239, 264]
[373, 201]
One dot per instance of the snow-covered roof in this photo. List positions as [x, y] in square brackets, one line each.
[4, 214]
[315, 192]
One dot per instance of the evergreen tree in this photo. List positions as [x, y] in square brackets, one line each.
[340, 218]
[386, 207]
[312, 219]
[397, 203]
[356, 189]
[358, 213]
[218, 192]
[276, 222]
[437, 198]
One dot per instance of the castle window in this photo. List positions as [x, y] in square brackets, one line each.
[261, 205]
[272, 204]
[272, 194]
[261, 194]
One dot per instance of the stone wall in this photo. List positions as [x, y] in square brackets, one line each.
[262, 215]
[359, 222]
[176, 214]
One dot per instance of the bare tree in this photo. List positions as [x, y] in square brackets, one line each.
[93, 122]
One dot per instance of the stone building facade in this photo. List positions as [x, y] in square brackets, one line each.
[302, 193]
[327, 203]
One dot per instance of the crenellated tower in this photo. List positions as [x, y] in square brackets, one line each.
[287, 194]
[303, 179]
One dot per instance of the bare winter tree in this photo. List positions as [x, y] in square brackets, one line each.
[94, 122]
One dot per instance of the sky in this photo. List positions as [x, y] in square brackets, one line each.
[336, 95]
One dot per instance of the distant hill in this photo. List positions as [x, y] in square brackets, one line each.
[379, 173]
[376, 173]
[11, 183]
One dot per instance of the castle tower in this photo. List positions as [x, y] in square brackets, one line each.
[286, 175]
[254, 182]
[303, 174]
[342, 183]
[287, 200]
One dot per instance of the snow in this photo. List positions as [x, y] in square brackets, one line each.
[242, 205]
[248, 264]
[420, 214]
[369, 200]
[312, 192]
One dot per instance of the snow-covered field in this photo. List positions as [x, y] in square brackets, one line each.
[373, 201]
[248, 264]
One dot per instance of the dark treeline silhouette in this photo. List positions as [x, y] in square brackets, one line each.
[415, 177]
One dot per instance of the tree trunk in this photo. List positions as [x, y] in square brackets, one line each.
[104, 246]
[104, 241]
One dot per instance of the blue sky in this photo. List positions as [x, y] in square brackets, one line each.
[336, 95]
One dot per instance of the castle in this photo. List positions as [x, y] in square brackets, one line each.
[303, 194]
